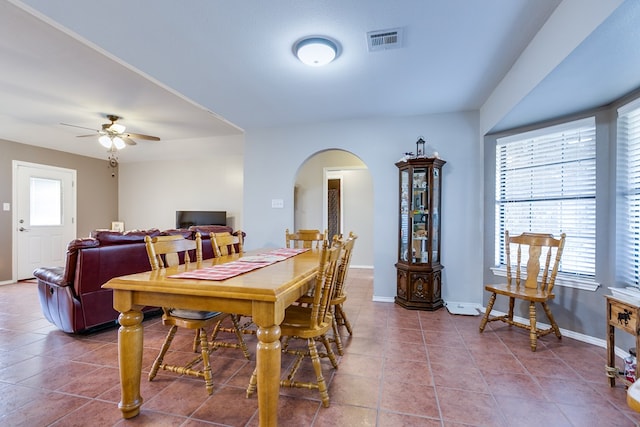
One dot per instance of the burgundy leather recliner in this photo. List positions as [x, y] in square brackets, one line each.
[72, 297]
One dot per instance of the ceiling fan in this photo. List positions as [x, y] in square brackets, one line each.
[113, 136]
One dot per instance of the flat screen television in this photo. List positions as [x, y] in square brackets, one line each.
[185, 219]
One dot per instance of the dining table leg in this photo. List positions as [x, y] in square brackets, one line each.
[130, 338]
[268, 368]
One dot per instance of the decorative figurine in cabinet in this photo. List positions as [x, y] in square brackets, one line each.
[419, 285]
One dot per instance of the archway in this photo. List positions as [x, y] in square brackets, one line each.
[334, 190]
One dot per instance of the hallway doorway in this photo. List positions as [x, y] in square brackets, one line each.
[334, 205]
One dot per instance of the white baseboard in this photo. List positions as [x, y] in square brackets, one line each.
[7, 282]
[383, 299]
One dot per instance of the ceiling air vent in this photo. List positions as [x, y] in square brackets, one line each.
[384, 39]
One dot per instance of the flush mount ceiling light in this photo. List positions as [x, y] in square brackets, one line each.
[315, 51]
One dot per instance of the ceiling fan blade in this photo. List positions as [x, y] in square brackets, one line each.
[76, 126]
[140, 136]
[127, 140]
[85, 136]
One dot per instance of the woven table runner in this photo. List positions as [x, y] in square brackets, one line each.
[240, 266]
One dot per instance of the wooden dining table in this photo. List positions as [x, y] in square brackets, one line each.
[263, 294]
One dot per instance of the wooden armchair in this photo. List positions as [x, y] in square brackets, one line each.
[339, 296]
[305, 238]
[164, 251]
[310, 323]
[535, 287]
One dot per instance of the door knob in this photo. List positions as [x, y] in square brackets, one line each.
[22, 229]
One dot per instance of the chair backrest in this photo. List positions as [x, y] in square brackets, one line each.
[226, 244]
[305, 238]
[345, 261]
[325, 283]
[165, 251]
[533, 247]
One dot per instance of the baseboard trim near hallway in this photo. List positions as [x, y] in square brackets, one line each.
[382, 299]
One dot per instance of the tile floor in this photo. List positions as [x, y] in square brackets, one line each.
[400, 368]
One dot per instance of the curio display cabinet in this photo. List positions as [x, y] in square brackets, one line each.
[419, 279]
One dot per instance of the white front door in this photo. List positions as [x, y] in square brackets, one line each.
[44, 216]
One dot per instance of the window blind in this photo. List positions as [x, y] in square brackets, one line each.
[546, 183]
[628, 199]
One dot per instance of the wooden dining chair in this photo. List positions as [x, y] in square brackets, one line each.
[305, 238]
[339, 295]
[166, 251]
[533, 281]
[225, 243]
[310, 323]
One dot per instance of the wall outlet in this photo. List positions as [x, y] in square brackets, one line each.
[6, 206]
[277, 203]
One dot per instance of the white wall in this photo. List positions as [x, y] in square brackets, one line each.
[357, 191]
[150, 193]
[273, 156]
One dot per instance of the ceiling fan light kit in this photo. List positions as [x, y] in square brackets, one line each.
[112, 143]
[112, 136]
[118, 142]
[117, 127]
[105, 141]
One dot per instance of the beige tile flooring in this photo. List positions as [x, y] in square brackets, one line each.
[400, 368]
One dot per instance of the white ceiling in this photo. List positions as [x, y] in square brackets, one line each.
[189, 72]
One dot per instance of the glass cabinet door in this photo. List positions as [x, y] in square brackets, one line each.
[435, 217]
[420, 215]
[404, 215]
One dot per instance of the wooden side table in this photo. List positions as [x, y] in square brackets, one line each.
[622, 315]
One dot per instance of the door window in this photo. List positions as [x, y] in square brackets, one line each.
[46, 201]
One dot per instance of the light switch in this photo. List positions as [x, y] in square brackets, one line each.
[6, 206]
[277, 203]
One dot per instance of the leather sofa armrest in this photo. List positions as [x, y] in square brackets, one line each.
[52, 275]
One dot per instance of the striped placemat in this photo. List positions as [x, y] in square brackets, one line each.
[235, 268]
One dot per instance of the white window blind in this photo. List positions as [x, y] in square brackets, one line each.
[628, 200]
[546, 183]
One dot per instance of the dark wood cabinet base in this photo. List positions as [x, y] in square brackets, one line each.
[419, 289]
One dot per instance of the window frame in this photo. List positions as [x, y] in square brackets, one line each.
[581, 280]
[627, 169]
